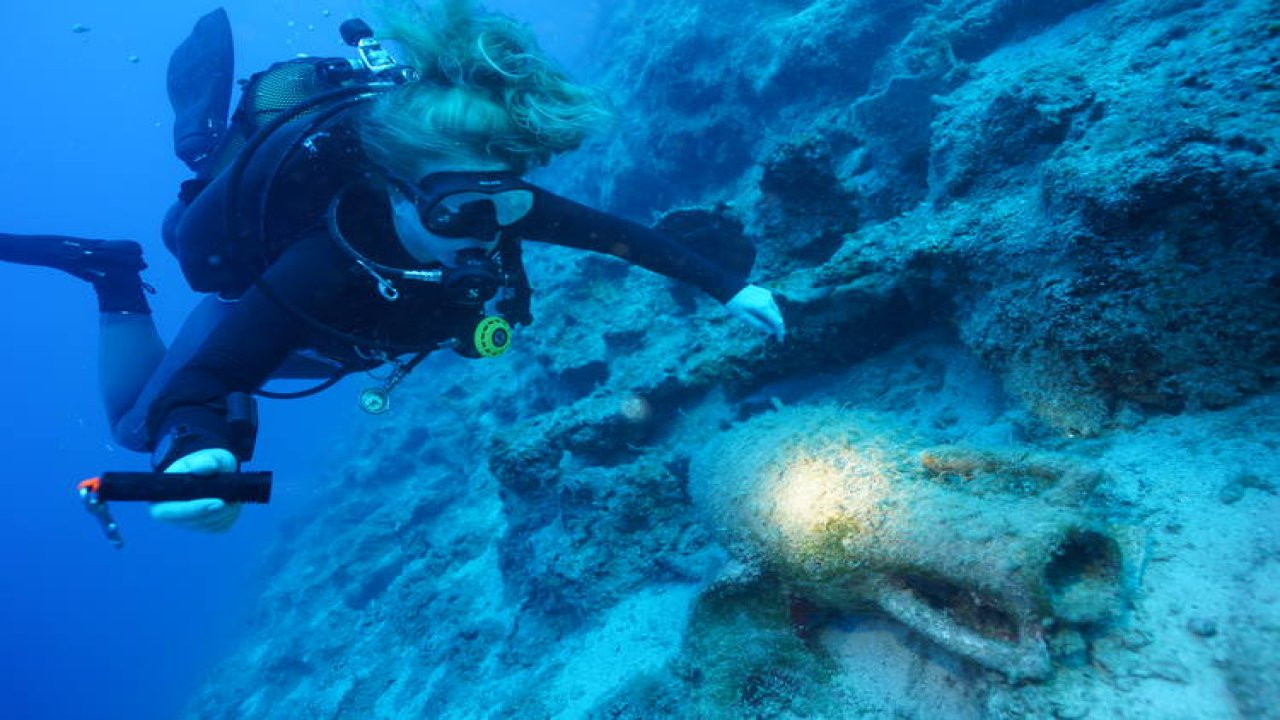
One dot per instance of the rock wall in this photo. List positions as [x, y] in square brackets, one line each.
[1085, 190]
[1013, 226]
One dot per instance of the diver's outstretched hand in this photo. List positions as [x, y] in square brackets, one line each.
[757, 307]
[209, 515]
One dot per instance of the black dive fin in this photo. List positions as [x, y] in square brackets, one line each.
[713, 234]
[200, 78]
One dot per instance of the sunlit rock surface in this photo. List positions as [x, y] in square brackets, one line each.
[1012, 229]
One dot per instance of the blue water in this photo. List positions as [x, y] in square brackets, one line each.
[87, 631]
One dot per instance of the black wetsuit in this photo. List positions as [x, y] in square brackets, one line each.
[315, 276]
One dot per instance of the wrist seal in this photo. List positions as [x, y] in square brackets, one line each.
[234, 429]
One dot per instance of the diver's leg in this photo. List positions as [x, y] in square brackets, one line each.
[129, 348]
[129, 352]
[130, 427]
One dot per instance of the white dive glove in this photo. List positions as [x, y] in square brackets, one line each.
[209, 515]
[757, 307]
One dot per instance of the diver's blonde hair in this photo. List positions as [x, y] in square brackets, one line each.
[488, 92]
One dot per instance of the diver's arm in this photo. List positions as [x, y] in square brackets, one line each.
[243, 350]
[561, 221]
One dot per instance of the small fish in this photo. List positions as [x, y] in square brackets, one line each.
[134, 59]
[79, 28]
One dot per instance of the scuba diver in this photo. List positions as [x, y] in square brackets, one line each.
[354, 213]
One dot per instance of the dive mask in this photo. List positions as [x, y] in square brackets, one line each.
[444, 214]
